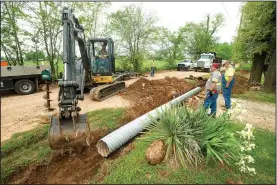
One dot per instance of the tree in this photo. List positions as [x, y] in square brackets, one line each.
[89, 15]
[11, 32]
[200, 37]
[256, 35]
[47, 22]
[134, 31]
[34, 56]
[224, 50]
[170, 46]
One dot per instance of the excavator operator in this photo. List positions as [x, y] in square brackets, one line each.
[103, 58]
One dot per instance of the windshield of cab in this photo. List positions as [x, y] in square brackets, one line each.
[205, 57]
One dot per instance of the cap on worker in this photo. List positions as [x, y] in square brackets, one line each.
[216, 65]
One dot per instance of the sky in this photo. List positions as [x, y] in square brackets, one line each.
[175, 14]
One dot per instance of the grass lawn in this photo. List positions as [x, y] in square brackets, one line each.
[133, 167]
[30, 147]
[257, 96]
[146, 65]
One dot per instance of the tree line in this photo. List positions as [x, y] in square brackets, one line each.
[136, 32]
[137, 37]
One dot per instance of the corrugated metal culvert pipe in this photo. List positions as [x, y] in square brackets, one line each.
[119, 137]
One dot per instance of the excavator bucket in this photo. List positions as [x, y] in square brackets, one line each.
[62, 134]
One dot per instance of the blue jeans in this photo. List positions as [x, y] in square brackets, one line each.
[227, 91]
[210, 102]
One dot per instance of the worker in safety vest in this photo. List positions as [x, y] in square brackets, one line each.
[228, 82]
[213, 87]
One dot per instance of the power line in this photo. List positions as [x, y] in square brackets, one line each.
[225, 9]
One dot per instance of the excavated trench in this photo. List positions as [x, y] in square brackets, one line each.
[81, 166]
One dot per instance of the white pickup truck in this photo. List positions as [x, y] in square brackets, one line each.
[22, 79]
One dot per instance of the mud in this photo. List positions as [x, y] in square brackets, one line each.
[147, 95]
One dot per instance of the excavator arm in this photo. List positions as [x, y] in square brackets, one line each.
[70, 128]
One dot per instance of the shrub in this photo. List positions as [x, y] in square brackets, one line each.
[192, 135]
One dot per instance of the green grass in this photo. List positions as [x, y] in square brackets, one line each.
[257, 96]
[30, 147]
[146, 65]
[108, 118]
[134, 169]
[245, 66]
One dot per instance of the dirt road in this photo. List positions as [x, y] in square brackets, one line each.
[21, 113]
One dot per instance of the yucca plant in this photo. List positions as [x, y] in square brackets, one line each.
[218, 142]
[191, 135]
[180, 130]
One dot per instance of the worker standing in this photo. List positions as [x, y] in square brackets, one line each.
[213, 87]
[228, 82]
[152, 72]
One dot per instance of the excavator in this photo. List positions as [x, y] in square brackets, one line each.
[70, 129]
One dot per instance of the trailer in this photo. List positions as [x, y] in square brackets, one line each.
[22, 79]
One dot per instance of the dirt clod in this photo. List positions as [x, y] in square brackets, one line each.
[155, 152]
[46, 115]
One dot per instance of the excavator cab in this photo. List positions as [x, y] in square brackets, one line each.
[102, 59]
[102, 55]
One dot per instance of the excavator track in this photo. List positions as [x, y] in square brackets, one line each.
[105, 91]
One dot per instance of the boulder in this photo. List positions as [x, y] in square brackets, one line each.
[156, 152]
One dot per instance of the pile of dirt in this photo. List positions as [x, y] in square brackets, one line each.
[240, 85]
[146, 95]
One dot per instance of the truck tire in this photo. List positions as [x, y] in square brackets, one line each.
[195, 69]
[24, 87]
[178, 69]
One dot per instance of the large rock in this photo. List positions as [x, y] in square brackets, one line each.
[155, 152]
